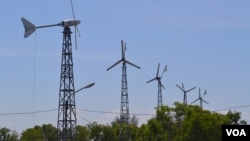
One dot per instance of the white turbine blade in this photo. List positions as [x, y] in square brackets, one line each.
[28, 26]
[132, 64]
[114, 64]
[151, 80]
[76, 28]
[72, 8]
[165, 69]
[190, 89]
[78, 31]
[75, 38]
[195, 100]
[180, 87]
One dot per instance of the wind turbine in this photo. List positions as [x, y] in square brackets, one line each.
[30, 27]
[201, 98]
[66, 122]
[124, 110]
[158, 79]
[185, 92]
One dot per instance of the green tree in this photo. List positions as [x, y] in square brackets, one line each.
[234, 118]
[82, 133]
[32, 134]
[50, 132]
[7, 135]
[45, 132]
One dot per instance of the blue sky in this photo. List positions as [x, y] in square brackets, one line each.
[204, 43]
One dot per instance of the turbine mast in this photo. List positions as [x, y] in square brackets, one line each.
[66, 123]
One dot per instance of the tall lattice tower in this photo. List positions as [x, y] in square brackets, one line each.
[124, 134]
[66, 123]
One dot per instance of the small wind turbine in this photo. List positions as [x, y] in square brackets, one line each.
[158, 79]
[30, 27]
[185, 92]
[66, 123]
[124, 111]
[201, 98]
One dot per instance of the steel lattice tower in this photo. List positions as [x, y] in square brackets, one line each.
[124, 134]
[124, 111]
[159, 100]
[66, 109]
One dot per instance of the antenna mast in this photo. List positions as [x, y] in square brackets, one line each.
[66, 108]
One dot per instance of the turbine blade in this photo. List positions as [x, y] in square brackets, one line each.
[123, 51]
[151, 80]
[132, 64]
[205, 101]
[114, 65]
[161, 84]
[76, 28]
[199, 93]
[180, 87]
[75, 38]
[190, 89]
[165, 69]
[195, 100]
[205, 92]
[157, 73]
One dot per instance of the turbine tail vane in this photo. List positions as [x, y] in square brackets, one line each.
[28, 27]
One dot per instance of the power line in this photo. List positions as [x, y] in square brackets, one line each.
[106, 112]
[83, 118]
[27, 113]
[236, 107]
[116, 113]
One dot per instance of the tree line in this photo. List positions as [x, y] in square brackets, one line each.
[178, 123]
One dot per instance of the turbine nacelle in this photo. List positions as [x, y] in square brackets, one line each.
[30, 27]
[70, 22]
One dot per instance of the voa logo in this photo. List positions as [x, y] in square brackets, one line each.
[236, 132]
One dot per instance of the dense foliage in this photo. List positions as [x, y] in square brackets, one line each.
[178, 123]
